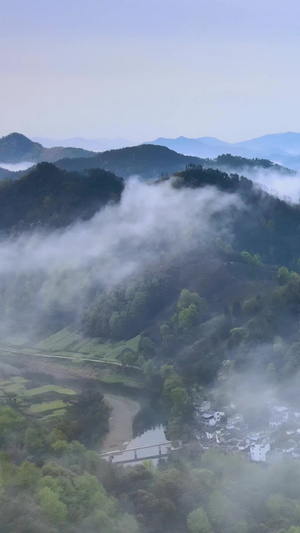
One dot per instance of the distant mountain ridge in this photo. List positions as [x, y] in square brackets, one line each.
[16, 148]
[151, 162]
[282, 148]
[94, 145]
[146, 160]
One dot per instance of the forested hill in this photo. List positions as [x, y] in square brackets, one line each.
[267, 226]
[233, 163]
[233, 288]
[49, 196]
[16, 148]
[222, 301]
[146, 161]
[151, 162]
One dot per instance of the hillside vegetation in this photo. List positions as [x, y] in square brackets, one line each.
[49, 196]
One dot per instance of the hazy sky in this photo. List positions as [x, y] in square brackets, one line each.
[146, 68]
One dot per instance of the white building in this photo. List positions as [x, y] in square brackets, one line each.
[258, 452]
[209, 418]
[218, 415]
[212, 417]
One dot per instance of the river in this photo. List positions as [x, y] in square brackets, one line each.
[120, 436]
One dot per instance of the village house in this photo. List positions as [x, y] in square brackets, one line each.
[211, 418]
[258, 452]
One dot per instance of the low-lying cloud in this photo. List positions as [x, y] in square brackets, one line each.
[285, 186]
[15, 167]
[151, 224]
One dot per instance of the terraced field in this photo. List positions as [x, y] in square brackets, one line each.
[50, 388]
[47, 406]
[69, 343]
[44, 401]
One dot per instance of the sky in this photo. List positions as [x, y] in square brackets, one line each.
[141, 69]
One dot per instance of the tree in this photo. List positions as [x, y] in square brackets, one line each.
[117, 324]
[219, 509]
[29, 475]
[90, 495]
[128, 357]
[188, 317]
[196, 305]
[186, 298]
[180, 400]
[197, 522]
[149, 370]
[127, 524]
[281, 510]
[254, 260]
[102, 521]
[172, 382]
[146, 346]
[283, 275]
[34, 439]
[89, 410]
[247, 258]
[10, 420]
[50, 504]
[203, 482]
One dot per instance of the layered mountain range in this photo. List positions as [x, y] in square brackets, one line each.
[148, 161]
[283, 148]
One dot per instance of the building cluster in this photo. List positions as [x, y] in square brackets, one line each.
[228, 430]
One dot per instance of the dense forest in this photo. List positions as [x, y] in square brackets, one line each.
[233, 163]
[147, 161]
[48, 196]
[50, 483]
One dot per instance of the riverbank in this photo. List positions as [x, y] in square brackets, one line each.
[120, 423]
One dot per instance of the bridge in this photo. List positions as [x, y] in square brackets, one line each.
[131, 455]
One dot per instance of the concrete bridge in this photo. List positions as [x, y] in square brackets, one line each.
[131, 455]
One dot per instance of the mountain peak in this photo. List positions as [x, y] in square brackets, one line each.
[19, 138]
[16, 147]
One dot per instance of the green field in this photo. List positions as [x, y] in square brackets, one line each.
[15, 385]
[50, 388]
[34, 400]
[47, 406]
[55, 414]
[67, 342]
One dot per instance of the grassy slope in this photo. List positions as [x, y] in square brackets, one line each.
[67, 342]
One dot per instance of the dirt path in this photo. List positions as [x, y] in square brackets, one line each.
[120, 423]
